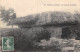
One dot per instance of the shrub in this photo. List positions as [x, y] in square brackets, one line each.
[26, 41]
[21, 41]
[50, 45]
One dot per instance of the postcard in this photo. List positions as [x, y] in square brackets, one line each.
[39, 25]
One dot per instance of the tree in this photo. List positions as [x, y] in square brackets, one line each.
[7, 15]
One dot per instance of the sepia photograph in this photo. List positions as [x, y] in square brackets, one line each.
[39, 26]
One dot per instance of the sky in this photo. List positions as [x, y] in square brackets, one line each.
[27, 7]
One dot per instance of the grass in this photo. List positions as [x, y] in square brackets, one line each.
[20, 39]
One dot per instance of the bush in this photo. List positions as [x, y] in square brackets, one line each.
[21, 41]
[26, 41]
[50, 45]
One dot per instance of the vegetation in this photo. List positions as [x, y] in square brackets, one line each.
[24, 42]
[7, 15]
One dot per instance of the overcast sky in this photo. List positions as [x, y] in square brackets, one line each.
[26, 7]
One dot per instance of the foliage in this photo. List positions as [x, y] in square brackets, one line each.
[23, 41]
[7, 14]
[50, 45]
